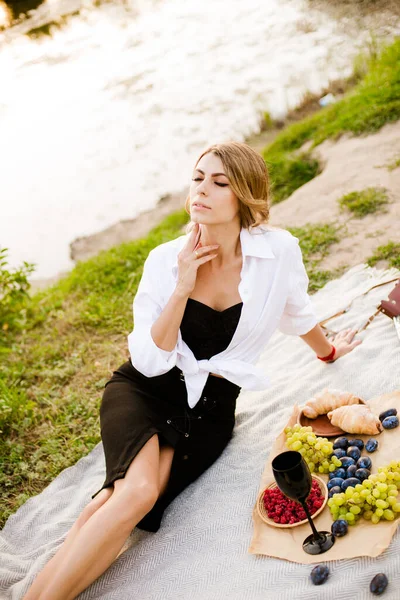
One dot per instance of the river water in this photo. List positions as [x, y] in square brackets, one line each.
[108, 114]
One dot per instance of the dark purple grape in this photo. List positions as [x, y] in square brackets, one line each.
[378, 584]
[371, 445]
[335, 481]
[339, 452]
[339, 527]
[391, 412]
[336, 489]
[347, 461]
[341, 442]
[319, 574]
[350, 482]
[351, 471]
[357, 442]
[364, 462]
[362, 474]
[390, 422]
[354, 452]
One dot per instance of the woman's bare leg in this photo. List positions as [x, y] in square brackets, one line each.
[53, 564]
[99, 540]
[166, 456]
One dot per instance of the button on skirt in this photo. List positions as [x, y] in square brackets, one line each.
[135, 407]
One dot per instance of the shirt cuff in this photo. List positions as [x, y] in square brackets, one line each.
[167, 355]
[147, 357]
[299, 328]
[299, 323]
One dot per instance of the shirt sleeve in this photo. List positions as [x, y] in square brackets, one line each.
[298, 317]
[146, 356]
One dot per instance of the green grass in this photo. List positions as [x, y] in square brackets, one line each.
[315, 241]
[372, 103]
[393, 165]
[365, 202]
[390, 252]
[288, 173]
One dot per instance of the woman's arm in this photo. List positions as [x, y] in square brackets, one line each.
[317, 341]
[299, 316]
[342, 343]
[164, 331]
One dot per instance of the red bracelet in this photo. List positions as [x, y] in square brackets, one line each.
[329, 357]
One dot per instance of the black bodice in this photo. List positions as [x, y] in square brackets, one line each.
[208, 331]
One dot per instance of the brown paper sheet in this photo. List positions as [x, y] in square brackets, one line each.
[364, 538]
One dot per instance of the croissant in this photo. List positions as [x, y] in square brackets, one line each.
[328, 400]
[357, 418]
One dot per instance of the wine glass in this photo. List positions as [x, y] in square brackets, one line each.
[293, 478]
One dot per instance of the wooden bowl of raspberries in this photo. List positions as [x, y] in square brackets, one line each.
[276, 509]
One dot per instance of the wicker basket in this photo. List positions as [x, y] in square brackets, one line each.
[263, 513]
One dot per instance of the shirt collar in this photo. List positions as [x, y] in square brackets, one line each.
[254, 242]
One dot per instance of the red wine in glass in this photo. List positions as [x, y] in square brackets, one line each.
[294, 479]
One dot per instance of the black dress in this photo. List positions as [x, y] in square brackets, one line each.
[135, 407]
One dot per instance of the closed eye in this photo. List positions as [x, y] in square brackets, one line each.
[216, 182]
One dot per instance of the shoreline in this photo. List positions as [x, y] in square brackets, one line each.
[125, 230]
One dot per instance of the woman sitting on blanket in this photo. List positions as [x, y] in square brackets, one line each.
[206, 306]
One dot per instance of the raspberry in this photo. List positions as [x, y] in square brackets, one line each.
[283, 510]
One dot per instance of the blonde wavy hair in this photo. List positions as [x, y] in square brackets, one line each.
[248, 178]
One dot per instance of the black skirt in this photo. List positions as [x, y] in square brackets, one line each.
[135, 407]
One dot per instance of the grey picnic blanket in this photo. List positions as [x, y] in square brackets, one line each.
[201, 549]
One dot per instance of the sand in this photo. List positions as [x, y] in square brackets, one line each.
[350, 164]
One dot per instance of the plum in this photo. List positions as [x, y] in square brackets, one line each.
[339, 527]
[350, 482]
[340, 472]
[390, 422]
[335, 481]
[356, 442]
[339, 452]
[341, 442]
[336, 489]
[364, 462]
[347, 461]
[391, 412]
[378, 584]
[371, 445]
[319, 574]
[362, 474]
[351, 471]
[354, 452]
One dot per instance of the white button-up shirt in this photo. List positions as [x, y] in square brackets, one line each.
[273, 288]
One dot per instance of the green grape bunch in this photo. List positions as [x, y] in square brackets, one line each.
[316, 451]
[373, 499]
